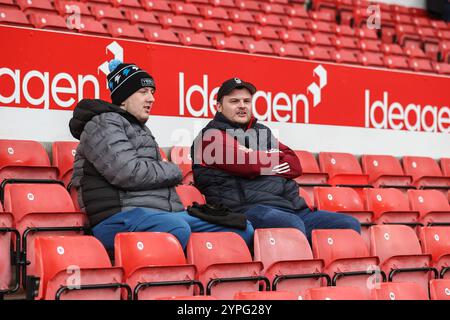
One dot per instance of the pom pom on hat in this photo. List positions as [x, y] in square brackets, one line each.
[113, 64]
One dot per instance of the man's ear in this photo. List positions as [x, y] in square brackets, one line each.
[219, 107]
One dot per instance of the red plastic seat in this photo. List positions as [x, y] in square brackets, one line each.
[432, 204]
[436, 241]
[156, 5]
[66, 7]
[37, 206]
[189, 194]
[170, 21]
[141, 18]
[327, 16]
[246, 5]
[124, 30]
[241, 16]
[214, 13]
[335, 293]
[343, 169]
[428, 35]
[150, 261]
[399, 291]
[91, 26]
[58, 260]
[321, 27]
[440, 289]
[272, 8]
[319, 39]
[194, 39]
[346, 258]
[288, 50]
[6, 267]
[317, 53]
[10, 15]
[307, 197]
[257, 46]
[370, 45]
[445, 166]
[400, 254]
[106, 13]
[425, 172]
[311, 175]
[224, 264]
[371, 59]
[396, 62]
[295, 23]
[205, 26]
[268, 20]
[295, 10]
[345, 31]
[126, 3]
[63, 156]
[29, 6]
[184, 9]
[385, 171]
[407, 34]
[266, 295]
[156, 34]
[390, 205]
[239, 29]
[292, 36]
[264, 33]
[345, 56]
[227, 43]
[442, 68]
[366, 33]
[288, 260]
[182, 157]
[392, 49]
[21, 159]
[423, 65]
[223, 3]
[345, 43]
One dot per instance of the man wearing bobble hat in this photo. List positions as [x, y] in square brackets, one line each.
[123, 185]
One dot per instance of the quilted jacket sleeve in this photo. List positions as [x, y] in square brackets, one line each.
[110, 150]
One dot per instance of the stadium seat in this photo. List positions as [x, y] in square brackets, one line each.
[63, 156]
[307, 197]
[156, 34]
[320, 27]
[217, 13]
[257, 46]
[159, 6]
[29, 6]
[272, 8]
[205, 26]
[238, 29]
[141, 18]
[345, 31]
[343, 169]
[105, 13]
[182, 157]
[288, 260]
[259, 33]
[245, 5]
[295, 23]
[126, 3]
[154, 265]
[385, 171]
[91, 26]
[436, 241]
[174, 22]
[20, 159]
[335, 293]
[224, 264]
[345, 43]
[189, 194]
[400, 254]
[287, 50]
[399, 291]
[440, 289]
[163, 155]
[371, 59]
[63, 273]
[317, 53]
[433, 206]
[184, 9]
[124, 30]
[39, 210]
[7, 235]
[392, 49]
[366, 34]
[343, 200]
[11, 15]
[370, 45]
[67, 7]
[441, 68]
[327, 16]
[345, 56]
[421, 65]
[292, 36]
[311, 175]
[445, 166]
[194, 39]
[319, 39]
[390, 206]
[425, 172]
[396, 62]
[51, 21]
[227, 43]
[295, 10]
[241, 16]
[346, 258]
[266, 295]
[268, 20]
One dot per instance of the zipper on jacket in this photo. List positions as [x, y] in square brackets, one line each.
[170, 196]
[239, 189]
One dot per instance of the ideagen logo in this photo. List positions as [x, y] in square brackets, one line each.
[117, 51]
[279, 106]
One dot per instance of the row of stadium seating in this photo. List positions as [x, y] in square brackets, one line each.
[406, 40]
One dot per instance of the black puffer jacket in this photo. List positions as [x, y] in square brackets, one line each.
[240, 193]
[117, 164]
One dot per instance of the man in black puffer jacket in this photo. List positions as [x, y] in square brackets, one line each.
[123, 185]
[239, 163]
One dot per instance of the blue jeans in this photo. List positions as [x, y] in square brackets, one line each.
[180, 224]
[262, 216]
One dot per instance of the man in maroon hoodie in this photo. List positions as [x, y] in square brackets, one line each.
[240, 164]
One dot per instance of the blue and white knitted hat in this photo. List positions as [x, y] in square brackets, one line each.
[125, 79]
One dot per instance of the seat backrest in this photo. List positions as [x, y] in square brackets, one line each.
[189, 194]
[393, 240]
[22, 199]
[22, 153]
[163, 154]
[63, 155]
[378, 165]
[305, 195]
[58, 253]
[426, 201]
[335, 293]
[337, 199]
[381, 200]
[307, 161]
[399, 291]
[440, 289]
[133, 250]
[335, 163]
[333, 244]
[207, 248]
[182, 157]
[418, 167]
[435, 241]
[278, 244]
[445, 166]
